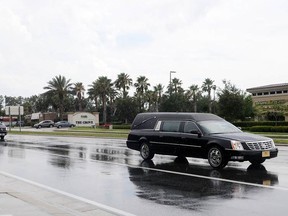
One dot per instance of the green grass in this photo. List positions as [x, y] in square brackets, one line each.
[77, 133]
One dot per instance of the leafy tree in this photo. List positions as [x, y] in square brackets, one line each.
[272, 109]
[174, 99]
[126, 109]
[231, 104]
[176, 102]
[123, 82]
[58, 89]
[2, 112]
[13, 101]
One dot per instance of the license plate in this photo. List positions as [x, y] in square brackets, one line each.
[266, 154]
[267, 182]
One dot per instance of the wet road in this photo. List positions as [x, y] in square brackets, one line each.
[105, 171]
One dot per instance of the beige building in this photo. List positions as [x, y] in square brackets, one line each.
[269, 95]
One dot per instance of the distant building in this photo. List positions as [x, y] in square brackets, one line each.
[268, 94]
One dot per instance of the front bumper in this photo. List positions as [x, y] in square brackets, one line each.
[245, 155]
[3, 133]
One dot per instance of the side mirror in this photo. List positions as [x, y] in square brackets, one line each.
[196, 132]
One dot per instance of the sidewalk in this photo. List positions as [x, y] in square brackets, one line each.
[20, 198]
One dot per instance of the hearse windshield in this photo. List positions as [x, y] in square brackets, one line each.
[218, 127]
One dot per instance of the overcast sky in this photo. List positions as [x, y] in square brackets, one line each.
[243, 41]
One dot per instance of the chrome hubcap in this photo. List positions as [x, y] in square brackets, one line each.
[145, 151]
[215, 157]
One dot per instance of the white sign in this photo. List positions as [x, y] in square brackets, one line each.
[83, 119]
[14, 110]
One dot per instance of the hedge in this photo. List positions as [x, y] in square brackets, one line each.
[124, 126]
[248, 124]
[279, 129]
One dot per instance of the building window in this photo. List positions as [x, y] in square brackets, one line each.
[266, 93]
[279, 92]
[273, 92]
[260, 93]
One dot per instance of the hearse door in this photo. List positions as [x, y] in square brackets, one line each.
[168, 137]
[190, 141]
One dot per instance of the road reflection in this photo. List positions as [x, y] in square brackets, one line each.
[195, 193]
[13, 152]
[60, 156]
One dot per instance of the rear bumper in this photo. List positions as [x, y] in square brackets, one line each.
[251, 154]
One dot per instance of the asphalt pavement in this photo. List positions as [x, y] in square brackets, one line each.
[21, 198]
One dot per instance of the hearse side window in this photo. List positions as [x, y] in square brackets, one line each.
[147, 123]
[171, 126]
[189, 127]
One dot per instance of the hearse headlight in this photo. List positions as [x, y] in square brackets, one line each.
[272, 143]
[236, 145]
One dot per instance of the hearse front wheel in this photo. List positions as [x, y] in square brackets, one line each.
[146, 152]
[216, 158]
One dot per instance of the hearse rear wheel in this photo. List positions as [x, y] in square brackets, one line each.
[216, 158]
[146, 152]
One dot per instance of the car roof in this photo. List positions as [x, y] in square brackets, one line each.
[148, 120]
[181, 116]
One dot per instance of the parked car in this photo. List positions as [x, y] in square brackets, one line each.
[45, 123]
[61, 124]
[201, 135]
[3, 130]
[20, 123]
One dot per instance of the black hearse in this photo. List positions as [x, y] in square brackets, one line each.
[201, 135]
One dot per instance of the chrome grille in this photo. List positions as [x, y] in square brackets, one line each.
[260, 145]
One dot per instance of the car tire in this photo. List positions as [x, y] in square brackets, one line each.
[146, 152]
[51, 126]
[257, 161]
[39, 127]
[59, 126]
[216, 158]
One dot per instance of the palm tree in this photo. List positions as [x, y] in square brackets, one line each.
[103, 87]
[141, 87]
[79, 90]
[194, 93]
[93, 93]
[207, 86]
[123, 82]
[175, 86]
[59, 87]
[158, 89]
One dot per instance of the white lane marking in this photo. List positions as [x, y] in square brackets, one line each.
[99, 205]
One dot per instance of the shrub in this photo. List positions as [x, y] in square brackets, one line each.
[125, 126]
[279, 129]
[245, 124]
